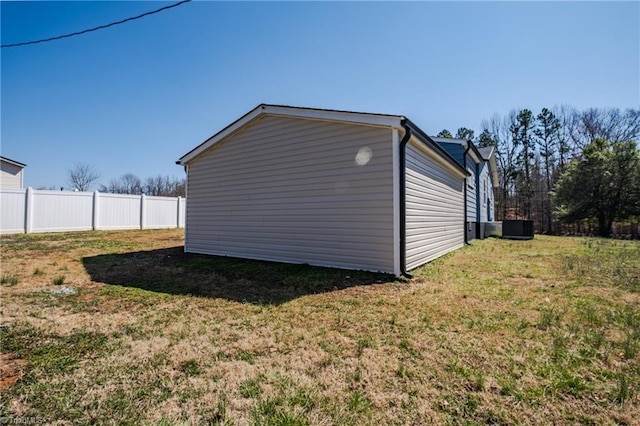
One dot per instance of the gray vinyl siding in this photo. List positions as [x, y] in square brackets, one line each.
[10, 176]
[289, 190]
[472, 190]
[456, 150]
[434, 208]
[485, 202]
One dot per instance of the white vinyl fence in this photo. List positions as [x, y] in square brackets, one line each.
[30, 210]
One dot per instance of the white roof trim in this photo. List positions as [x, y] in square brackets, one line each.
[450, 140]
[392, 121]
[477, 159]
[493, 167]
[332, 115]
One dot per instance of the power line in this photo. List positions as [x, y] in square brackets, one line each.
[101, 27]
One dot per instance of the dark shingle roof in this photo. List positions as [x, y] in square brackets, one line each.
[486, 152]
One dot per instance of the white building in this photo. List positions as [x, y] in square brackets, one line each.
[11, 173]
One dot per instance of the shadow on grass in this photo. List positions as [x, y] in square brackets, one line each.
[174, 272]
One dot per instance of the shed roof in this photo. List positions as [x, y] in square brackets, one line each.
[14, 162]
[352, 117]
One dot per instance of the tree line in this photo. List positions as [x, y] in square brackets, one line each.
[565, 166]
[83, 177]
[559, 167]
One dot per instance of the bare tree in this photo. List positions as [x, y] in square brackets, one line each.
[130, 184]
[82, 176]
[611, 124]
[506, 154]
[567, 134]
[167, 186]
[533, 152]
[126, 184]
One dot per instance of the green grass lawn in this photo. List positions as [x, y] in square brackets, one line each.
[124, 328]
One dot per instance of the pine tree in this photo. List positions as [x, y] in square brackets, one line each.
[522, 134]
[547, 133]
[444, 133]
[603, 186]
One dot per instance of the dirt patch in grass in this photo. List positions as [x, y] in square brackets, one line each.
[501, 332]
[11, 369]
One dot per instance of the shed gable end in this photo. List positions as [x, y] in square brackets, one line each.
[295, 190]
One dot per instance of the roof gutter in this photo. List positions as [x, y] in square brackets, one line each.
[428, 141]
[403, 200]
[413, 130]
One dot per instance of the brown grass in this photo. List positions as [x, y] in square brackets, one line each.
[529, 332]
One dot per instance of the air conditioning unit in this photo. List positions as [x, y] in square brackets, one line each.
[492, 229]
[517, 229]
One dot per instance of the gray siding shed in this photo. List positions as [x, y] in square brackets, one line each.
[322, 187]
[289, 189]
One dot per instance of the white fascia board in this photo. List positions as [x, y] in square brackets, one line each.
[233, 127]
[493, 168]
[283, 111]
[475, 158]
[331, 115]
[449, 140]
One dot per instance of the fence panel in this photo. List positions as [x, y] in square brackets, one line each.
[51, 211]
[12, 211]
[182, 215]
[61, 211]
[161, 212]
[118, 211]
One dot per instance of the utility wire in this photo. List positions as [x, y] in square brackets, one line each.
[101, 27]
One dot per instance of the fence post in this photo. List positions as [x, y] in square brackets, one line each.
[143, 211]
[96, 206]
[28, 210]
[179, 211]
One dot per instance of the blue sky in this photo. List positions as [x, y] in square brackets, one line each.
[136, 97]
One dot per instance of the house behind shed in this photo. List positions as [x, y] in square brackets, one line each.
[480, 164]
[11, 173]
[323, 187]
[488, 179]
